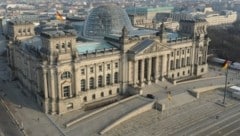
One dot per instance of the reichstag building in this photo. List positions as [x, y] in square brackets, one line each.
[114, 59]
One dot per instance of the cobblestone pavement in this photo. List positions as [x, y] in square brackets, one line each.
[169, 122]
[96, 123]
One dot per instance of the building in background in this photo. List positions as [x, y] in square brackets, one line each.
[224, 17]
[145, 17]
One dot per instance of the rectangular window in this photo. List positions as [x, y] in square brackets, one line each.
[108, 66]
[182, 51]
[116, 65]
[91, 69]
[82, 71]
[66, 91]
[108, 79]
[188, 51]
[100, 68]
[100, 81]
[116, 77]
[83, 84]
[177, 63]
[188, 61]
[183, 62]
[200, 60]
[91, 83]
[172, 54]
[172, 65]
[177, 52]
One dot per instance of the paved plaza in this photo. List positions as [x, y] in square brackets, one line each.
[183, 120]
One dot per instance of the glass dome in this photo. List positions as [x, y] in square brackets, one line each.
[104, 20]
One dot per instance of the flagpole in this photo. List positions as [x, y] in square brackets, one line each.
[225, 91]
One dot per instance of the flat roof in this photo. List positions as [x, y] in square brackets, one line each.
[172, 36]
[83, 47]
[141, 32]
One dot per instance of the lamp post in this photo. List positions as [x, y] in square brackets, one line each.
[225, 90]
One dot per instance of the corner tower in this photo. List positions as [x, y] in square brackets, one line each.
[59, 46]
[18, 30]
[197, 30]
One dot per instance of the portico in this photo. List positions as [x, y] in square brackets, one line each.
[148, 69]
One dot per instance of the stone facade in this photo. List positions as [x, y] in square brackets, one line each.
[61, 79]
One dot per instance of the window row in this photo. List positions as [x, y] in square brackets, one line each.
[100, 81]
[63, 46]
[179, 63]
[179, 52]
[100, 68]
[178, 74]
[110, 92]
[24, 30]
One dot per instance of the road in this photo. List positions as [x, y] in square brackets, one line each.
[7, 125]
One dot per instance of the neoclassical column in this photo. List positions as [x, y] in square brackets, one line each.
[52, 82]
[112, 72]
[87, 78]
[45, 87]
[205, 54]
[96, 76]
[135, 74]
[104, 74]
[142, 72]
[77, 80]
[156, 73]
[149, 70]
[164, 66]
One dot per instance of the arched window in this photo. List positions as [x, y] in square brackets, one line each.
[83, 85]
[108, 79]
[100, 81]
[116, 77]
[91, 83]
[66, 75]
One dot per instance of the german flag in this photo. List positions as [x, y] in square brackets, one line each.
[225, 64]
[59, 16]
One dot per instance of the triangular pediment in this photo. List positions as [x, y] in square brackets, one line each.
[147, 46]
